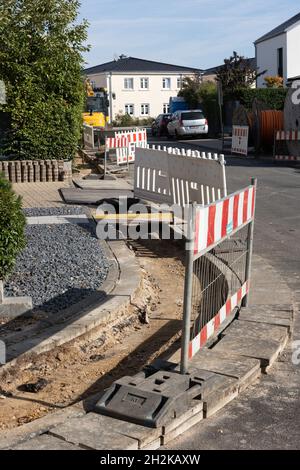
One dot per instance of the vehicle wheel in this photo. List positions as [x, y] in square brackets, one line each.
[176, 135]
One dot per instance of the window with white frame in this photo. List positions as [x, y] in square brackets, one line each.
[144, 83]
[166, 108]
[129, 109]
[145, 109]
[128, 83]
[179, 82]
[166, 83]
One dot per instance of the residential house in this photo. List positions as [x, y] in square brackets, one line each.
[277, 52]
[210, 75]
[138, 87]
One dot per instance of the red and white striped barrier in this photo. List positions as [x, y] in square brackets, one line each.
[125, 151]
[116, 142]
[215, 222]
[240, 136]
[213, 325]
[138, 137]
[286, 158]
[288, 135]
[212, 225]
[135, 139]
[240, 131]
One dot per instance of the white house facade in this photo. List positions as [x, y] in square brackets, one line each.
[138, 87]
[277, 52]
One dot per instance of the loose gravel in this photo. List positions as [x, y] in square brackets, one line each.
[61, 264]
[63, 210]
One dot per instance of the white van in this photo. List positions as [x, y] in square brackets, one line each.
[184, 123]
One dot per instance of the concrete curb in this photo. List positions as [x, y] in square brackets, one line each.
[120, 286]
[234, 369]
[8, 305]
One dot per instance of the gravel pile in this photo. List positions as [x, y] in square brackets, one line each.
[61, 265]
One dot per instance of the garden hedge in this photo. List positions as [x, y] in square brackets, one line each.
[273, 98]
[12, 224]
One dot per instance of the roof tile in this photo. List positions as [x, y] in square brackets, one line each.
[132, 64]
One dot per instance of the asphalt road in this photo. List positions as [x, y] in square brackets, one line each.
[267, 415]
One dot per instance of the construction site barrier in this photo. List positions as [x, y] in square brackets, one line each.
[218, 266]
[123, 152]
[88, 136]
[135, 139]
[125, 143]
[280, 150]
[178, 176]
[240, 137]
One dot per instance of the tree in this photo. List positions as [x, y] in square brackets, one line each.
[41, 64]
[205, 95]
[236, 73]
[191, 90]
[12, 224]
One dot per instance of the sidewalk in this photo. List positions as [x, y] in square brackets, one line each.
[214, 433]
[266, 415]
[41, 194]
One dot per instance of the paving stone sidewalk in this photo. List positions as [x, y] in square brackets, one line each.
[41, 194]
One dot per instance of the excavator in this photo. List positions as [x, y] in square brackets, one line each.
[96, 106]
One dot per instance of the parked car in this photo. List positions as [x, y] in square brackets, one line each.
[188, 123]
[159, 126]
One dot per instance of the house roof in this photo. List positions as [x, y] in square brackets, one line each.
[214, 70]
[293, 79]
[132, 64]
[282, 28]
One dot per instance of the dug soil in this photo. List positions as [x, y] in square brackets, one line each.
[69, 374]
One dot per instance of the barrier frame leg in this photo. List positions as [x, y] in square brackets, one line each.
[250, 236]
[188, 286]
[105, 163]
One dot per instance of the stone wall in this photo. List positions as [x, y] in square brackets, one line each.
[29, 171]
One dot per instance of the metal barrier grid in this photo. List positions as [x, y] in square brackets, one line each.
[218, 267]
[217, 276]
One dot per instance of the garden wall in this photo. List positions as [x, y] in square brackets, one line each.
[29, 171]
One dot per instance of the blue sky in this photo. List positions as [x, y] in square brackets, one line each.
[197, 33]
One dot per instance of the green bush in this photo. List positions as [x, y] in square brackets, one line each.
[203, 95]
[273, 98]
[125, 120]
[12, 224]
[41, 66]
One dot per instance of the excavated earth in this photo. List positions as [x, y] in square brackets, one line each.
[73, 372]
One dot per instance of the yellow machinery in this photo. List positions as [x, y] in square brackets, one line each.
[96, 106]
